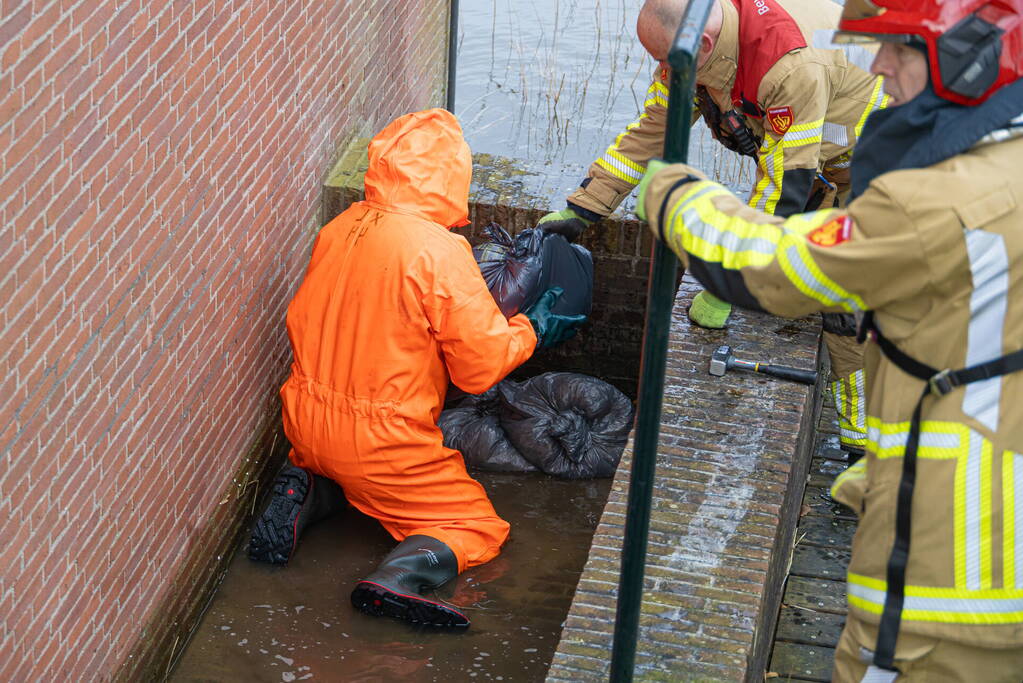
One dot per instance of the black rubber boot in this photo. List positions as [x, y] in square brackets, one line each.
[300, 498]
[393, 590]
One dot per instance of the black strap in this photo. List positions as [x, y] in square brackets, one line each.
[938, 383]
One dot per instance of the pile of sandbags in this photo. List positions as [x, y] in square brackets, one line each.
[564, 424]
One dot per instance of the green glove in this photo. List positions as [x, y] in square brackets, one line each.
[709, 311]
[652, 167]
[552, 329]
[566, 223]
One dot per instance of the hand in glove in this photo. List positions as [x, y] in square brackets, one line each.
[552, 329]
[566, 222]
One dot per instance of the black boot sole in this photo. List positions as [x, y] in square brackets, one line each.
[378, 601]
[274, 535]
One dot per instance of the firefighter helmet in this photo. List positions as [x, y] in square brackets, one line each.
[974, 47]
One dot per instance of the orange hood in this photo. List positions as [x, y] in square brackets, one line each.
[421, 165]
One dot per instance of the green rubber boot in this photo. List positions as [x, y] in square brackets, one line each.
[709, 311]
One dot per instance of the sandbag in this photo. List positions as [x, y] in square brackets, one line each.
[518, 270]
[511, 267]
[474, 428]
[567, 424]
[569, 266]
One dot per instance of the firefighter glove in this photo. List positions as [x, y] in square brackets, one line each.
[551, 328]
[566, 222]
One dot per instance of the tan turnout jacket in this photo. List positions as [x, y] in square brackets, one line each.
[937, 254]
[828, 90]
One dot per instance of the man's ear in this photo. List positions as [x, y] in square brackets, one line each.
[706, 46]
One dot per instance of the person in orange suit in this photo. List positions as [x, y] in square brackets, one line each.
[392, 308]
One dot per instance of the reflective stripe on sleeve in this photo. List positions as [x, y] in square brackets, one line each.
[1012, 532]
[696, 226]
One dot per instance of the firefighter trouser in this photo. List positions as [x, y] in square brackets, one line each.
[848, 389]
[921, 659]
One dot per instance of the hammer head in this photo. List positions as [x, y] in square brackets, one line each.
[719, 360]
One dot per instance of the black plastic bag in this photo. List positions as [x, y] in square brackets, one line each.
[475, 429]
[564, 424]
[567, 424]
[518, 270]
[569, 266]
[511, 267]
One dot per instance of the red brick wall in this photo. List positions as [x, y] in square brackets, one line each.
[160, 169]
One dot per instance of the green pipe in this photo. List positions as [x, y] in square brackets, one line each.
[660, 299]
[452, 53]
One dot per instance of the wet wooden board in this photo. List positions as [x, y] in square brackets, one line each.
[818, 501]
[820, 562]
[822, 595]
[825, 531]
[807, 627]
[802, 662]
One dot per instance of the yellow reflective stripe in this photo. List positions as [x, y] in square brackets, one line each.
[942, 605]
[939, 440]
[857, 470]
[803, 272]
[696, 226]
[878, 100]
[622, 174]
[1012, 545]
[771, 163]
[985, 513]
[960, 508]
[657, 93]
[804, 134]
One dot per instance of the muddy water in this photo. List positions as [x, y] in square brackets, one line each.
[295, 623]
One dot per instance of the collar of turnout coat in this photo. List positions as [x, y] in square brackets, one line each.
[929, 129]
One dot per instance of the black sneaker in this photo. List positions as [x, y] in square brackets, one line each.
[300, 498]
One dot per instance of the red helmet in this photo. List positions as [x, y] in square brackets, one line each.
[974, 47]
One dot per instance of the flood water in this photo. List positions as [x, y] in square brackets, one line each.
[296, 623]
[551, 83]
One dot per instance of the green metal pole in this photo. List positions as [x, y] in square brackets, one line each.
[452, 53]
[660, 299]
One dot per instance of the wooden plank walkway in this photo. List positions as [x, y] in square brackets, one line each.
[813, 607]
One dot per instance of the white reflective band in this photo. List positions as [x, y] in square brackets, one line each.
[809, 135]
[897, 440]
[619, 169]
[973, 511]
[836, 134]
[723, 238]
[877, 675]
[952, 606]
[989, 266]
[854, 54]
[811, 281]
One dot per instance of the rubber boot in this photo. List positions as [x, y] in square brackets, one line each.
[394, 590]
[300, 498]
[709, 311]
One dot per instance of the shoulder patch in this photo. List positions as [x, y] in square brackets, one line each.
[780, 119]
[664, 75]
[831, 233]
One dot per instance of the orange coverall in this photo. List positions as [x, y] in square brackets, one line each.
[393, 305]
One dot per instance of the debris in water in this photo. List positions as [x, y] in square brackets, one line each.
[289, 661]
[287, 676]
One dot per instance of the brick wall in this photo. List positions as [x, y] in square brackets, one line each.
[160, 170]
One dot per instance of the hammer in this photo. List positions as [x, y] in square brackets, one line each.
[722, 359]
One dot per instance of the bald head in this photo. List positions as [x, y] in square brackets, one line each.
[658, 21]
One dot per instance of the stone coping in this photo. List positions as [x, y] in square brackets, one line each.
[732, 460]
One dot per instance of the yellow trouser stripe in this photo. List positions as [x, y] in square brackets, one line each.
[942, 605]
[770, 168]
[851, 406]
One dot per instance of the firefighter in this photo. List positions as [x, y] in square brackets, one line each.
[929, 253]
[392, 308]
[774, 88]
